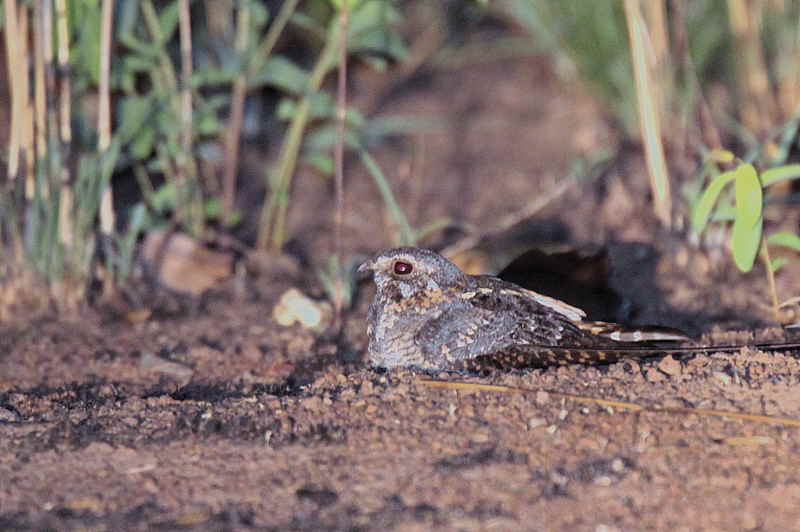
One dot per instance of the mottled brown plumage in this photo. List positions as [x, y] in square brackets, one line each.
[429, 314]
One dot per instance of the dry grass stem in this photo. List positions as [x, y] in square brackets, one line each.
[107, 217]
[512, 219]
[234, 130]
[341, 122]
[623, 405]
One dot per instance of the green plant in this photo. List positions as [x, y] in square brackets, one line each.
[746, 212]
[368, 35]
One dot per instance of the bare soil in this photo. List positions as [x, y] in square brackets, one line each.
[216, 418]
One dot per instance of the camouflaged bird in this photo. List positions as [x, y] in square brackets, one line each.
[430, 315]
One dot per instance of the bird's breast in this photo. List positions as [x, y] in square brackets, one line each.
[394, 324]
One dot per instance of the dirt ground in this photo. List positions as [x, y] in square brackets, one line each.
[215, 418]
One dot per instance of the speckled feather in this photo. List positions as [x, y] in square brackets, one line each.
[436, 317]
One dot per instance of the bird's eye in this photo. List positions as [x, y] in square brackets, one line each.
[403, 268]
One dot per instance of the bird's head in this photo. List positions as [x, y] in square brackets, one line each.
[411, 270]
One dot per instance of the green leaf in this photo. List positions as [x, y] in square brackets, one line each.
[786, 239]
[168, 20]
[282, 74]
[134, 112]
[351, 4]
[725, 212]
[320, 106]
[382, 42]
[745, 241]
[142, 145]
[325, 137]
[165, 197]
[778, 263]
[710, 196]
[720, 156]
[434, 225]
[371, 29]
[213, 211]
[259, 15]
[780, 173]
[321, 161]
[208, 124]
[378, 64]
[749, 196]
[138, 63]
[138, 221]
[405, 235]
[211, 76]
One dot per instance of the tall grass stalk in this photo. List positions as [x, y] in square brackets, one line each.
[648, 101]
[341, 121]
[757, 105]
[272, 226]
[234, 130]
[256, 64]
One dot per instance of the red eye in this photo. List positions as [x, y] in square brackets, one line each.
[402, 268]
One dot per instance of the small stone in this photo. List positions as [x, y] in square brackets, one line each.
[653, 375]
[535, 422]
[480, 437]
[295, 307]
[542, 397]
[670, 366]
[151, 363]
[603, 481]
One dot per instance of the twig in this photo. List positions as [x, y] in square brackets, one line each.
[39, 92]
[510, 220]
[187, 175]
[756, 100]
[107, 218]
[341, 120]
[272, 224]
[776, 313]
[240, 92]
[234, 130]
[15, 72]
[623, 405]
[65, 127]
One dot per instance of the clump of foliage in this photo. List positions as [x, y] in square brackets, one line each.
[153, 93]
[745, 212]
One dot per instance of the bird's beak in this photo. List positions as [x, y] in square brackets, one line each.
[366, 268]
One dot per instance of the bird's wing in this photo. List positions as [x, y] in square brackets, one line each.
[538, 320]
[525, 302]
[462, 332]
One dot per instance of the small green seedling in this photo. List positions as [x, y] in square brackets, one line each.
[747, 214]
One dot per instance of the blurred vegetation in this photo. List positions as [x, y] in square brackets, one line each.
[162, 93]
[745, 208]
[140, 90]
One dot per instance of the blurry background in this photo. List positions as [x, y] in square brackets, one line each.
[174, 144]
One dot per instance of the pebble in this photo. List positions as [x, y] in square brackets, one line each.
[670, 366]
[535, 422]
[542, 397]
[653, 375]
[7, 415]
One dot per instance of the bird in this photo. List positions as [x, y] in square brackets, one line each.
[429, 315]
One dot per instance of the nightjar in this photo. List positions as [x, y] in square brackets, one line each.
[430, 315]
